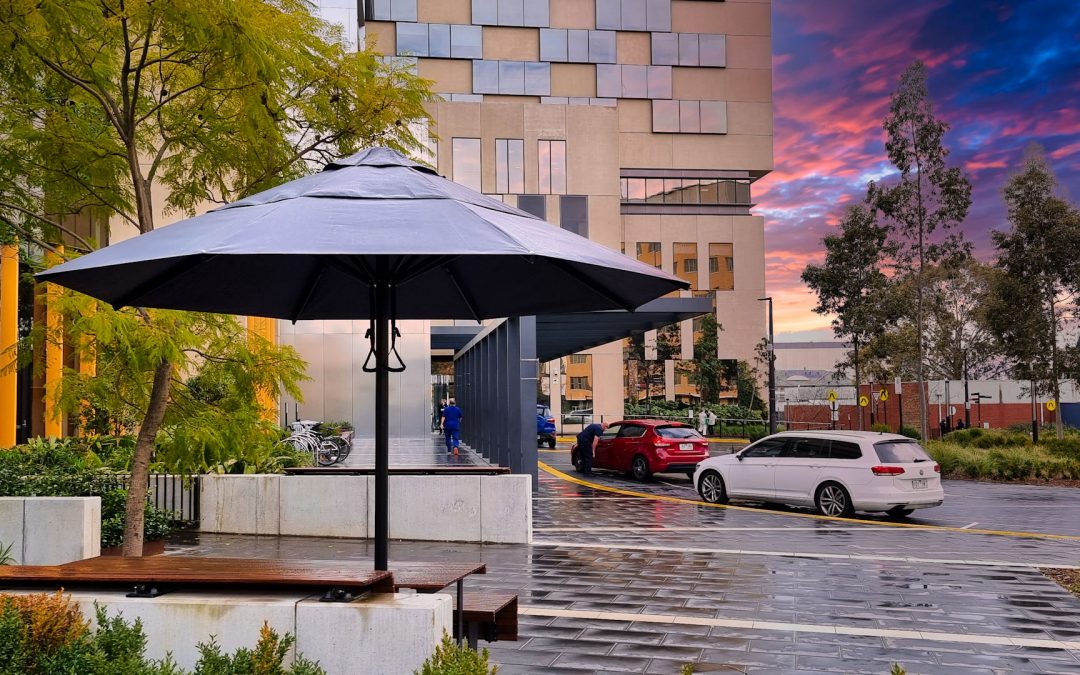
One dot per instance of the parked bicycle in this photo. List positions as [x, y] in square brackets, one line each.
[325, 449]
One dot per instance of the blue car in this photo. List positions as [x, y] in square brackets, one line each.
[545, 426]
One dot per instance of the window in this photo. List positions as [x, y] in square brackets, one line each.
[579, 382]
[685, 117]
[579, 358]
[689, 49]
[392, 10]
[601, 46]
[438, 40]
[412, 39]
[685, 263]
[466, 42]
[632, 431]
[574, 214]
[577, 46]
[900, 452]
[694, 191]
[721, 267]
[466, 160]
[844, 450]
[648, 252]
[806, 448]
[510, 12]
[509, 166]
[768, 447]
[534, 204]
[633, 81]
[677, 432]
[552, 159]
[611, 432]
[553, 44]
[511, 78]
[638, 15]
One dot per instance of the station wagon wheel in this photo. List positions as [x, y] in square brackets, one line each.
[833, 500]
[712, 489]
[640, 468]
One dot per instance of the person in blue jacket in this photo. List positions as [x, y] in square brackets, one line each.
[450, 423]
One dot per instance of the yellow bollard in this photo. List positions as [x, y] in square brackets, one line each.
[9, 335]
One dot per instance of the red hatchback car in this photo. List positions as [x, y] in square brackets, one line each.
[645, 447]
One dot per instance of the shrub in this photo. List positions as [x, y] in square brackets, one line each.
[1065, 447]
[157, 524]
[1002, 463]
[880, 428]
[453, 659]
[910, 432]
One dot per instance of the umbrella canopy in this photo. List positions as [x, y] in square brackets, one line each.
[374, 236]
[312, 248]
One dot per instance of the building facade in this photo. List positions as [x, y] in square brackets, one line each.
[641, 124]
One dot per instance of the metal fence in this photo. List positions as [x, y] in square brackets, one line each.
[176, 493]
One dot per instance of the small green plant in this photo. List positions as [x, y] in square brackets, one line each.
[266, 659]
[453, 659]
[5, 554]
[897, 669]
[687, 669]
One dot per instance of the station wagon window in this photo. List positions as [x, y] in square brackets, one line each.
[900, 452]
[770, 447]
[677, 432]
[632, 431]
[806, 448]
[844, 450]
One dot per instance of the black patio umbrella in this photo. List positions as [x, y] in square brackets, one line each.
[373, 236]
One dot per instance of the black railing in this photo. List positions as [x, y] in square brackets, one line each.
[176, 493]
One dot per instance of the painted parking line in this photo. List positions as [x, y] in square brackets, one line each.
[969, 526]
[937, 636]
[695, 502]
[660, 529]
[800, 554]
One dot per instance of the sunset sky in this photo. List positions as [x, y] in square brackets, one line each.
[1002, 74]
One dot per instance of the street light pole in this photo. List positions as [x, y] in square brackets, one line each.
[772, 370]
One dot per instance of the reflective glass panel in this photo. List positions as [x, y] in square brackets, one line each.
[486, 77]
[558, 167]
[608, 14]
[688, 49]
[536, 13]
[665, 116]
[707, 190]
[501, 172]
[601, 46]
[726, 192]
[543, 155]
[412, 39]
[534, 204]
[633, 15]
[466, 42]
[659, 81]
[516, 158]
[684, 257]
[713, 117]
[578, 46]
[511, 77]
[466, 160]
[511, 12]
[689, 119]
[485, 12]
[658, 15]
[742, 192]
[403, 10]
[552, 44]
[648, 252]
[537, 78]
[635, 82]
[608, 80]
[721, 267]
[381, 11]
[665, 49]
[635, 189]
[690, 191]
[574, 214]
[654, 190]
[673, 189]
[713, 50]
[438, 40]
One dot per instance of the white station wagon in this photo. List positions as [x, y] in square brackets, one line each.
[839, 472]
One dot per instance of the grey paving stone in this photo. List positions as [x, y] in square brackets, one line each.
[620, 664]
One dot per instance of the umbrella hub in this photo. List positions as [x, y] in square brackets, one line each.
[384, 308]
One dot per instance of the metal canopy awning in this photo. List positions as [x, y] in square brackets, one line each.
[564, 334]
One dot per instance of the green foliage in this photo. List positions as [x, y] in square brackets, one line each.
[910, 432]
[47, 634]
[1002, 463]
[988, 438]
[708, 367]
[453, 659]
[880, 428]
[5, 553]
[897, 669]
[157, 523]
[687, 669]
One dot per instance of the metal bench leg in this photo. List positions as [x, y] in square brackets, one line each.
[474, 634]
[461, 611]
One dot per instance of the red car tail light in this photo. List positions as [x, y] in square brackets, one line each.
[887, 470]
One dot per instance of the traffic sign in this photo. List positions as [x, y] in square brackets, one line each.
[883, 395]
[1051, 405]
[863, 401]
[832, 396]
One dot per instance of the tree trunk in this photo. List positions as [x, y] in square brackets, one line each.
[1059, 426]
[858, 384]
[140, 465]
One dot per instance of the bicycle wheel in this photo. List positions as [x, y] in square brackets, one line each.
[343, 446]
[327, 454]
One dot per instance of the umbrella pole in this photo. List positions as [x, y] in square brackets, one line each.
[382, 423]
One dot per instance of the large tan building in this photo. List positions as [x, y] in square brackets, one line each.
[641, 124]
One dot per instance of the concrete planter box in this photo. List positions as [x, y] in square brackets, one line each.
[50, 530]
[487, 509]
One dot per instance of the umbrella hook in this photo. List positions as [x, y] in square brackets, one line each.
[370, 334]
[394, 333]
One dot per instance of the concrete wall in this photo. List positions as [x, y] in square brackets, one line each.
[50, 530]
[489, 509]
[384, 633]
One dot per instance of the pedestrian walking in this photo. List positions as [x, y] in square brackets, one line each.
[712, 422]
[944, 427]
[701, 418]
[450, 423]
[586, 444]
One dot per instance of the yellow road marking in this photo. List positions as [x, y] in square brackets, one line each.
[879, 523]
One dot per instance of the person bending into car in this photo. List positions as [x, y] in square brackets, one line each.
[586, 444]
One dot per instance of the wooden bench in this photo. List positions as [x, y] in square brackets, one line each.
[490, 616]
[337, 581]
[470, 470]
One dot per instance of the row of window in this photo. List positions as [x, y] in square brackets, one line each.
[689, 117]
[577, 46]
[390, 10]
[579, 100]
[512, 78]
[510, 12]
[708, 191]
[685, 262]
[510, 165]
[573, 211]
[633, 81]
[440, 40]
[635, 15]
[689, 49]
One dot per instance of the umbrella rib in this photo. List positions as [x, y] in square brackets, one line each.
[420, 270]
[313, 282]
[462, 293]
[173, 273]
[592, 285]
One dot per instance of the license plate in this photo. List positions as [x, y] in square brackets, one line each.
[686, 446]
[919, 483]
